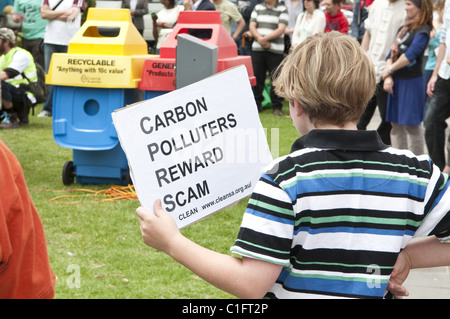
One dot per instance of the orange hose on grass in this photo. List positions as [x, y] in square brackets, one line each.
[113, 193]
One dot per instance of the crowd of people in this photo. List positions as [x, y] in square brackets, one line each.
[402, 38]
[46, 27]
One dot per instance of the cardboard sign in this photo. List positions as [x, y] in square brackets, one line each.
[198, 149]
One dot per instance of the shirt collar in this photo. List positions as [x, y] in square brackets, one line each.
[195, 5]
[345, 140]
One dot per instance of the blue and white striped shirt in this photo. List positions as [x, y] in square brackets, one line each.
[337, 211]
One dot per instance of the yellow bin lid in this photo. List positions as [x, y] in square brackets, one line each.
[107, 51]
[123, 37]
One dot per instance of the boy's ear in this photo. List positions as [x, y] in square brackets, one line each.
[298, 109]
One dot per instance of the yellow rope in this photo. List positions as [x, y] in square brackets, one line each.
[118, 192]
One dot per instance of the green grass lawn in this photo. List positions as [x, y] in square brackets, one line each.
[95, 247]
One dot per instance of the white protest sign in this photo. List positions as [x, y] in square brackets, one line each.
[198, 149]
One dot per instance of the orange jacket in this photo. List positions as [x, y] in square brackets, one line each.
[25, 271]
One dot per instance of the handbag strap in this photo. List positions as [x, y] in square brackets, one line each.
[57, 5]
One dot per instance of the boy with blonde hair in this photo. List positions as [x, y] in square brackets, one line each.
[331, 218]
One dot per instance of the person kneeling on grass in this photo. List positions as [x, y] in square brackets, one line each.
[332, 218]
[16, 67]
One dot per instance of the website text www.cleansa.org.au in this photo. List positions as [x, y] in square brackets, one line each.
[219, 199]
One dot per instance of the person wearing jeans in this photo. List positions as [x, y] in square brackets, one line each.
[49, 49]
[435, 122]
[438, 89]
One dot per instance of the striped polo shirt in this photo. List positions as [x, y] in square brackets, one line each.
[337, 211]
[267, 20]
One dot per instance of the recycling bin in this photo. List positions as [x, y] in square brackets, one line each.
[159, 73]
[99, 74]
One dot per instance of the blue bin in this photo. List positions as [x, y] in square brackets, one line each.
[82, 121]
[101, 167]
[151, 94]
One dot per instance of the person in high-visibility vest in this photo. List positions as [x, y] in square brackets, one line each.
[16, 67]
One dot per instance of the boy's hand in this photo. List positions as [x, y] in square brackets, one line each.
[158, 230]
[398, 276]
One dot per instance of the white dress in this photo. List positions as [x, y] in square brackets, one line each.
[169, 16]
[306, 27]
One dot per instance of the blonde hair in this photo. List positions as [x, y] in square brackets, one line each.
[330, 76]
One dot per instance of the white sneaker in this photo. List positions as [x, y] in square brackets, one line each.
[44, 113]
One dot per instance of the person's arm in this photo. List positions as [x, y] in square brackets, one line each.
[275, 33]
[365, 41]
[425, 253]
[441, 54]
[8, 73]
[416, 48]
[244, 278]
[49, 14]
[3, 76]
[389, 68]
[388, 80]
[252, 27]
[142, 10]
[17, 17]
[440, 57]
[20, 61]
[62, 15]
[265, 40]
[240, 26]
[155, 26]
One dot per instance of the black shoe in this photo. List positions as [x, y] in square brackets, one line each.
[23, 113]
